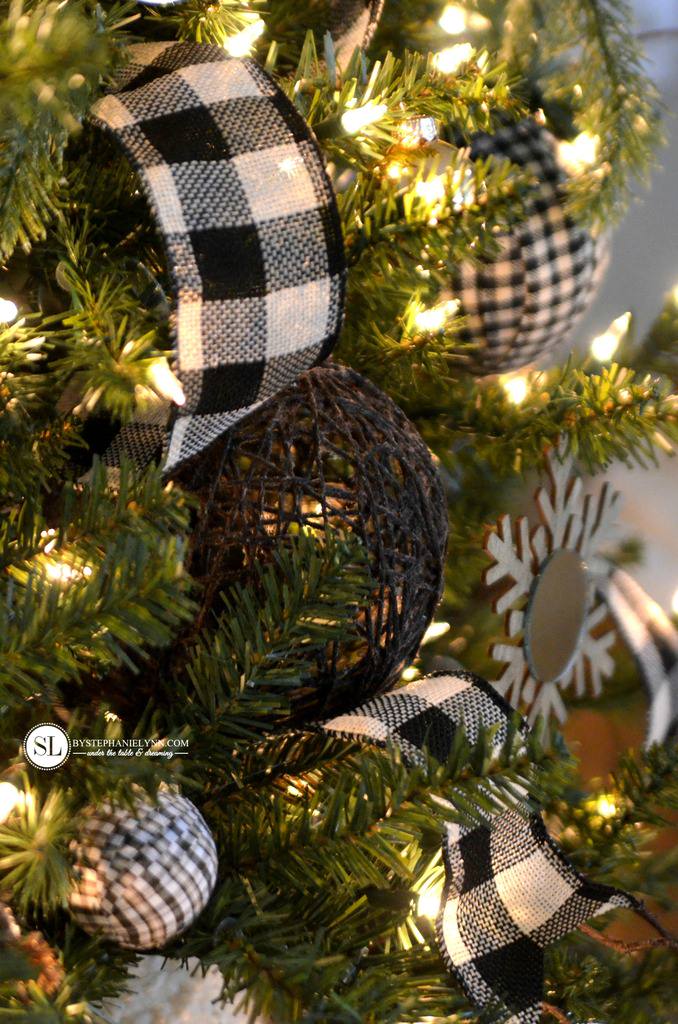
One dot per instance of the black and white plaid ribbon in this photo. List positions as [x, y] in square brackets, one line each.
[238, 188]
[509, 890]
[653, 641]
[353, 24]
[528, 299]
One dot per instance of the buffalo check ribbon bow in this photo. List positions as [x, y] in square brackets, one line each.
[509, 890]
[249, 221]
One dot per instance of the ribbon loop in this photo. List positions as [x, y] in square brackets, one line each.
[509, 890]
[250, 225]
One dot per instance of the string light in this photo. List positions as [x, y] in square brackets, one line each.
[605, 806]
[9, 798]
[605, 345]
[432, 190]
[580, 153]
[8, 311]
[516, 388]
[242, 44]
[165, 383]
[428, 903]
[62, 572]
[453, 20]
[435, 631]
[456, 19]
[357, 118]
[674, 603]
[435, 318]
[451, 58]
[395, 170]
[674, 294]
[410, 674]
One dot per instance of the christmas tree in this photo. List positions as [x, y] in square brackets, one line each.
[287, 293]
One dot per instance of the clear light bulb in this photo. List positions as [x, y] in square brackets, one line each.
[606, 344]
[9, 798]
[516, 389]
[357, 118]
[8, 311]
[451, 58]
[242, 44]
[428, 903]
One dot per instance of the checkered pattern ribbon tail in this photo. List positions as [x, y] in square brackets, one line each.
[353, 24]
[653, 640]
[249, 221]
[509, 891]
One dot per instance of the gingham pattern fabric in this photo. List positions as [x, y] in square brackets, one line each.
[353, 24]
[528, 299]
[142, 878]
[653, 641]
[248, 217]
[509, 891]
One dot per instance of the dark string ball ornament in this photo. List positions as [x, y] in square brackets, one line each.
[332, 451]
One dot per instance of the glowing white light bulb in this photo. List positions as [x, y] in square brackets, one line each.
[580, 153]
[434, 319]
[354, 120]
[515, 388]
[606, 806]
[9, 798]
[434, 631]
[395, 170]
[453, 20]
[428, 903]
[61, 571]
[451, 58]
[165, 383]
[8, 311]
[432, 190]
[674, 294]
[605, 345]
[410, 674]
[242, 44]
[674, 603]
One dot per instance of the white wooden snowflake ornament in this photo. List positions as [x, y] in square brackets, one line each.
[555, 635]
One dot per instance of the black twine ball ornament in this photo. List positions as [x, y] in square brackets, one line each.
[330, 451]
[527, 300]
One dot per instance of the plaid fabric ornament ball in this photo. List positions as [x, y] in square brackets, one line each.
[509, 890]
[143, 876]
[248, 218]
[526, 301]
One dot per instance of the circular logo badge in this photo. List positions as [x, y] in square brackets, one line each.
[47, 746]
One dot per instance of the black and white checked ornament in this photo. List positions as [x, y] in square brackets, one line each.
[249, 221]
[509, 890]
[527, 300]
[653, 641]
[143, 876]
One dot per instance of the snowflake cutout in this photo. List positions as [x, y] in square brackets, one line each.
[570, 521]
